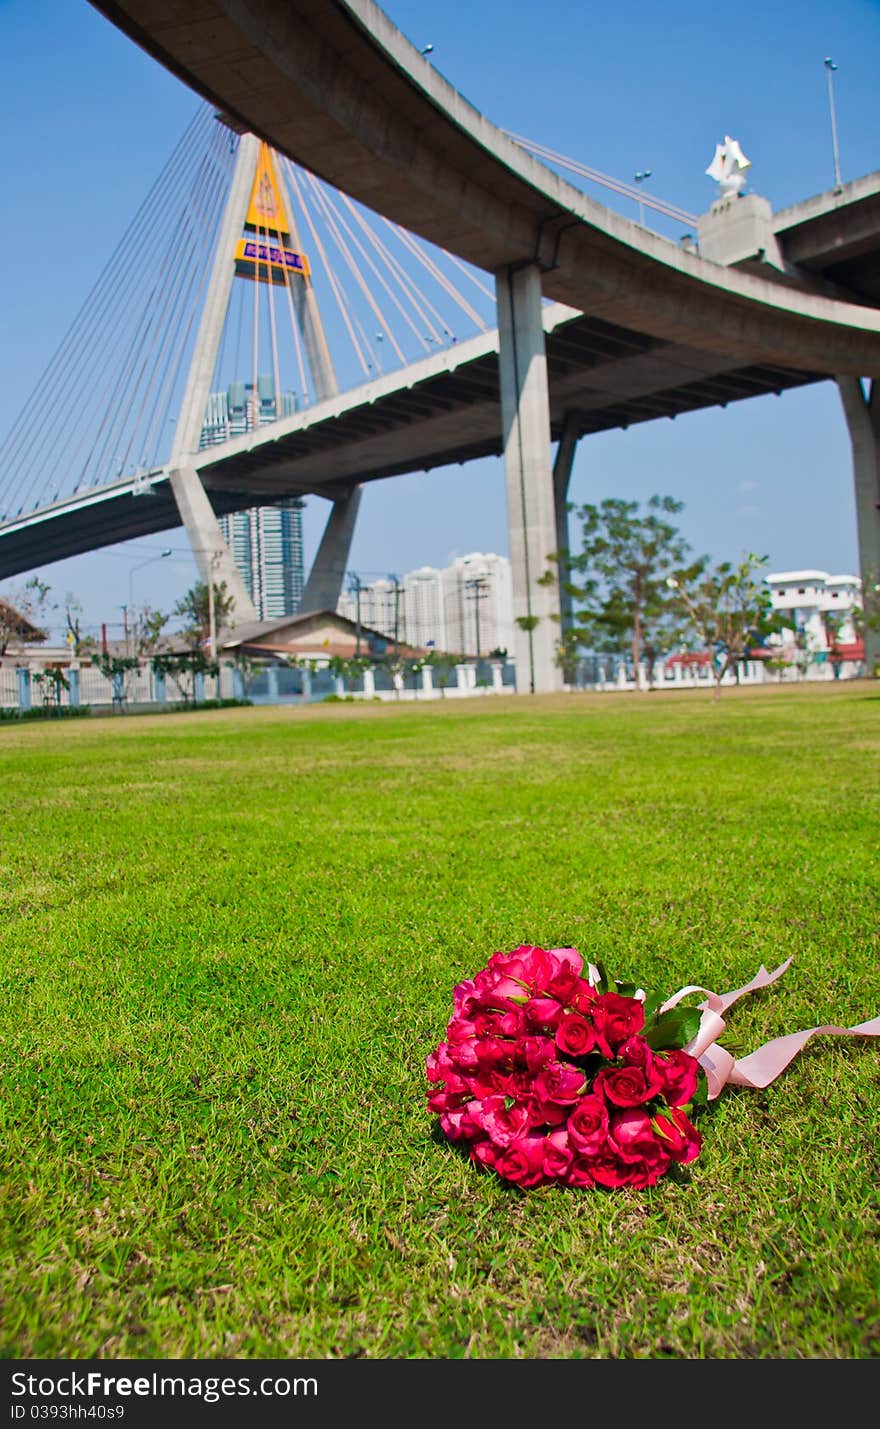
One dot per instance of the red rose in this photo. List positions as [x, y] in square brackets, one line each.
[582, 997]
[494, 1053]
[500, 1122]
[616, 1018]
[484, 1153]
[606, 1169]
[439, 1065]
[626, 1086]
[543, 1012]
[533, 1053]
[575, 1035]
[528, 966]
[523, 1161]
[558, 1155]
[464, 1057]
[588, 1125]
[465, 998]
[679, 1137]
[560, 1082]
[679, 1073]
[460, 1029]
[455, 1094]
[580, 1172]
[632, 1132]
[566, 966]
[454, 1125]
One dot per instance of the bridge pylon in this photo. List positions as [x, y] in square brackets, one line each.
[258, 205]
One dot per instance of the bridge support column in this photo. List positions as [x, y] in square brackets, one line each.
[862, 411]
[561, 477]
[531, 504]
[214, 559]
[324, 585]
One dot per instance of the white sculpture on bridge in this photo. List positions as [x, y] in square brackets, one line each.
[729, 167]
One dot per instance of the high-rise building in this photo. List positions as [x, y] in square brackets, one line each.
[267, 546]
[266, 541]
[478, 604]
[378, 604]
[466, 609]
[423, 604]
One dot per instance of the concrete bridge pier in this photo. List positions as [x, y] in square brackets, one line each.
[324, 585]
[213, 557]
[562, 467]
[531, 497]
[862, 411]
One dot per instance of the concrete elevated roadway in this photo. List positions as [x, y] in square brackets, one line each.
[442, 410]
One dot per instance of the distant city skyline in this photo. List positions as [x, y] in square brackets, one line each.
[631, 91]
[465, 607]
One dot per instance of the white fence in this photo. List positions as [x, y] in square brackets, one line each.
[30, 684]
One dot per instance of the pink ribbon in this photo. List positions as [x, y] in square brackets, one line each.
[763, 1066]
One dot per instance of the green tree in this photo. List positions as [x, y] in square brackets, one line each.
[80, 644]
[119, 670]
[726, 610]
[182, 667]
[442, 666]
[622, 603]
[194, 608]
[149, 625]
[50, 683]
[24, 611]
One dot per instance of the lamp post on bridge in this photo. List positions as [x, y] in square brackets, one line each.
[830, 67]
[639, 178]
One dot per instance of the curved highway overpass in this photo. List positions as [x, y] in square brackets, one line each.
[335, 86]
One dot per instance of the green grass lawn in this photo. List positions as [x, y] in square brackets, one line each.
[229, 940]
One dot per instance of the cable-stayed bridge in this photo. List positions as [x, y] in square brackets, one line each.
[641, 327]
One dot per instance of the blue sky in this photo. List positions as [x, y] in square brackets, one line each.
[88, 121]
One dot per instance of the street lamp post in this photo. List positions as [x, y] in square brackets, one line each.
[355, 585]
[830, 67]
[639, 178]
[129, 609]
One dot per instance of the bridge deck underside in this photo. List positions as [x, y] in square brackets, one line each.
[608, 377]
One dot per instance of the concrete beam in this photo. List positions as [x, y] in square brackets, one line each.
[862, 411]
[531, 506]
[324, 585]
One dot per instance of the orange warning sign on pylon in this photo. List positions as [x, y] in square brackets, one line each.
[266, 209]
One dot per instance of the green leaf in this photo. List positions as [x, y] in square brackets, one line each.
[674, 1028]
[700, 1097]
[652, 1004]
[606, 983]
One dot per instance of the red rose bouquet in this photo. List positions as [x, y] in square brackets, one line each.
[547, 1075]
